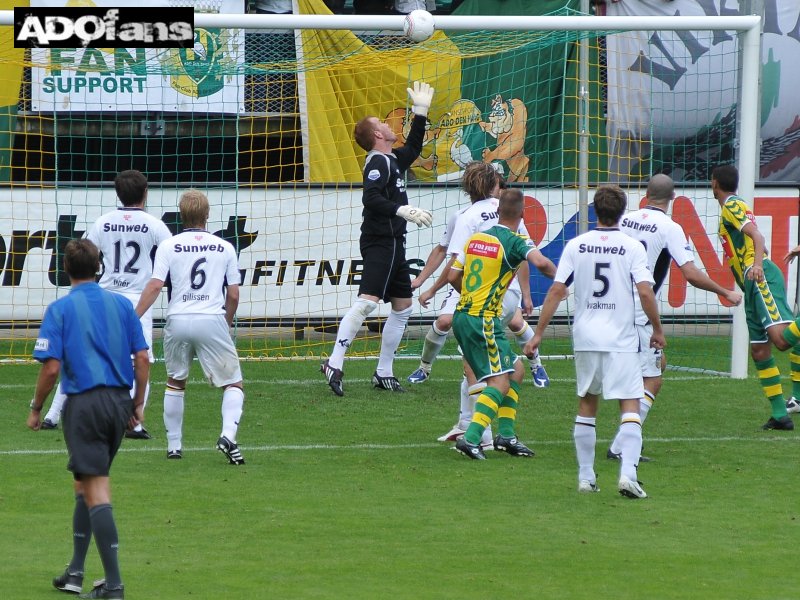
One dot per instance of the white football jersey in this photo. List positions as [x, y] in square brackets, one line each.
[127, 238]
[199, 265]
[663, 239]
[480, 216]
[451, 225]
[604, 265]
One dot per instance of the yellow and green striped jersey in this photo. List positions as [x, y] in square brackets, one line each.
[489, 261]
[738, 247]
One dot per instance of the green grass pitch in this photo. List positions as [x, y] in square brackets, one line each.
[350, 498]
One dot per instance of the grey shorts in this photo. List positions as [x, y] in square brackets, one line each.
[94, 424]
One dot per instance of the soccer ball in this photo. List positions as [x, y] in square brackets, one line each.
[418, 25]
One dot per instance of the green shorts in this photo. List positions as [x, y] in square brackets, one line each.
[765, 303]
[484, 345]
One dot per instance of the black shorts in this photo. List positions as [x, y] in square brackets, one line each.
[386, 272]
[94, 425]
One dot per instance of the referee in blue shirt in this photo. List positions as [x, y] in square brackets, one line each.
[89, 336]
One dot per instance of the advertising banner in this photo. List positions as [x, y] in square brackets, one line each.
[205, 78]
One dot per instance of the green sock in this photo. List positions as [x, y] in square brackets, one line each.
[485, 410]
[794, 357]
[792, 333]
[507, 414]
[770, 379]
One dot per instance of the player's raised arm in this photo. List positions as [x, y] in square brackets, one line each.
[421, 96]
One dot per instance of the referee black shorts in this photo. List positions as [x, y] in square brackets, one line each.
[386, 272]
[94, 425]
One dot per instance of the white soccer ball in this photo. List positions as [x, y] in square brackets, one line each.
[418, 25]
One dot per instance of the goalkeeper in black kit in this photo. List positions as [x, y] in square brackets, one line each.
[386, 275]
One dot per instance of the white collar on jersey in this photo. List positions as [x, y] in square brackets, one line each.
[651, 207]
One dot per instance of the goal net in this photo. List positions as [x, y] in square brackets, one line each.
[261, 120]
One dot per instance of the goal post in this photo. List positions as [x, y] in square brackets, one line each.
[283, 177]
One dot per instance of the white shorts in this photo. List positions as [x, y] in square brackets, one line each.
[649, 358]
[511, 302]
[147, 325]
[615, 375]
[450, 302]
[208, 338]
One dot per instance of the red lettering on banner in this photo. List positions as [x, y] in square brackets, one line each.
[477, 248]
[781, 210]
[535, 218]
[684, 213]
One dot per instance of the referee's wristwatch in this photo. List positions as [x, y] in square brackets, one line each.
[34, 407]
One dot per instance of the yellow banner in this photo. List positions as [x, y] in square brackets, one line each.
[347, 79]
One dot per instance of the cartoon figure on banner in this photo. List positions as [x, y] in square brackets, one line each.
[508, 125]
[459, 133]
[425, 164]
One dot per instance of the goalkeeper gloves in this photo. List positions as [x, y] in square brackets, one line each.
[418, 216]
[421, 96]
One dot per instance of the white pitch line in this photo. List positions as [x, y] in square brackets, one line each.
[321, 381]
[312, 447]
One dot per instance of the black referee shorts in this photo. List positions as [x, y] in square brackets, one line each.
[94, 425]
[386, 272]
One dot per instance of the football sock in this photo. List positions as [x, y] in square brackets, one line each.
[485, 410]
[630, 444]
[507, 413]
[348, 329]
[468, 402]
[434, 342]
[146, 396]
[585, 435]
[232, 407]
[792, 333]
[645, 404]
[107, 541]
[525, 335]
[81, 535]
[770, 379]
[794, 358]
[54, 414]
[390, 340]
[173, 417]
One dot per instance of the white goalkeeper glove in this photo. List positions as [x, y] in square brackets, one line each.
[418, 216]
[421, 96]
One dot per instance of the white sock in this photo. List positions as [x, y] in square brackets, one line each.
[468, 403]
[585, 436]
[348, 329]
[173, 417]
[232, 408]
[630, 443]
[525, 335]
[54, 414]
[146, 396]
[392, 334]
[434, 342]
[645, 404]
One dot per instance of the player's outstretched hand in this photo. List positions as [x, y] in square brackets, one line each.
[426, 297]
[421, 96]
[657, 340]
[418, 216]
[791, 254]
[734, 297]
[533, 344]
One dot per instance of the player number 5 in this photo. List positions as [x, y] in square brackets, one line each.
[598, 275]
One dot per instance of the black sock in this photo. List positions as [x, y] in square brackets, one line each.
[105, 537]
[81, 535]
